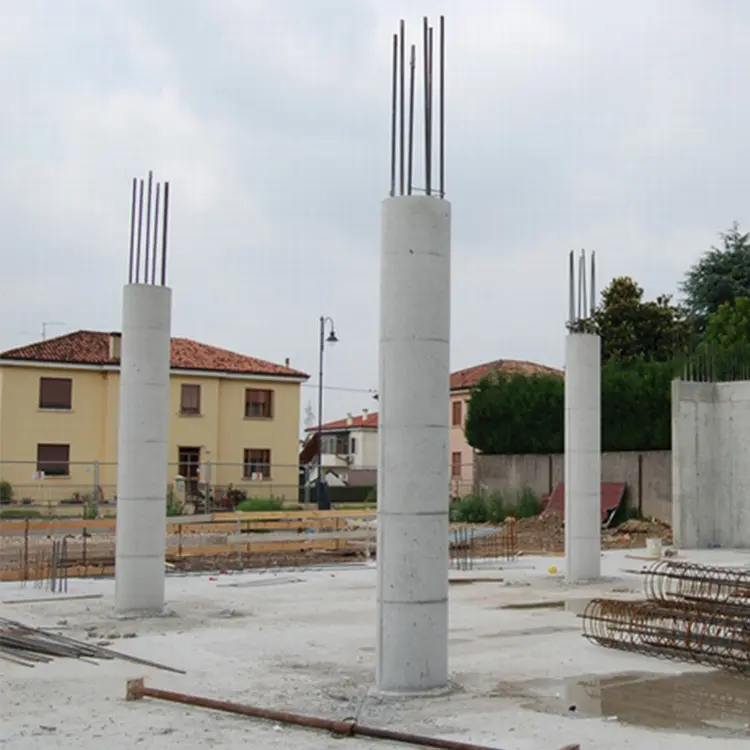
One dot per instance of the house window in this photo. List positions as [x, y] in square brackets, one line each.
[335, 445]
[53, 459]
[457, 413]
[55, 393]
[258, 403]
[257, 463]
[353, 446]
[190, 399]
[456, 464]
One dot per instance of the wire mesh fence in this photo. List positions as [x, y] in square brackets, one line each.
[88, 489]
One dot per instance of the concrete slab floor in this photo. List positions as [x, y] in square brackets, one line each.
[525, 678]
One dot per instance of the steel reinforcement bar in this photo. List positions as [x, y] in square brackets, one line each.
[707, 633]
[674, 580]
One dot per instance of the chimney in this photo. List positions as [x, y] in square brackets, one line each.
[115, 339]
[365, 413]
[349, 418]
[286, 362]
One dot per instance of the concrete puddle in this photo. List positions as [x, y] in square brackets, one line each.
[709, 703]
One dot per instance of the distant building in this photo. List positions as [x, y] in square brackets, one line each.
[233, 417]
[351, 443]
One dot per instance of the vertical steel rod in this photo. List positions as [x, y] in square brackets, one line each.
[430, 100]
[394, 106]
[593, 283]
[131, 259]
[412, 73]
[441, 105]
[572, 290]
[164, 236]
[426, 58]
[156, 236]
[140, 228]
[148, 227]
[402, 103]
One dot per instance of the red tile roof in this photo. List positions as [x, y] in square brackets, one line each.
[358, 422]
[93, 348]
[468, 378]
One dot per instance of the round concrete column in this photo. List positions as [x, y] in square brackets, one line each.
[143, 449]
[583, 472]
[413, 480]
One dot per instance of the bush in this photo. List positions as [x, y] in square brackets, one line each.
[528, 504]
[495, 507]
[520, 414]
[260, 504]
[19, 514]
[6, 492]
[174, 507]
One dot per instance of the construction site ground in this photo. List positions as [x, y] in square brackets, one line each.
[303, 639]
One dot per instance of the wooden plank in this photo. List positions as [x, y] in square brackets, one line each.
[253, 539]
[291, 515]
[61, 598]
[198, 518]
[231, 549]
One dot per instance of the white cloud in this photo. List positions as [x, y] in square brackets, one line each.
[619, 128]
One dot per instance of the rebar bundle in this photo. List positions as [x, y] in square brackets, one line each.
[696, 613]
[28, 646]
[672, 580]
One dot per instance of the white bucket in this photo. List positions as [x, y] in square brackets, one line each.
[653, 548]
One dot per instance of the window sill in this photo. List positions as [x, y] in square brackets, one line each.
[53, 477]
[46, 410]
[258, 419]
[250, 479]
[188, 414]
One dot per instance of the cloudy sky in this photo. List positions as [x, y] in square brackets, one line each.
[619, 127]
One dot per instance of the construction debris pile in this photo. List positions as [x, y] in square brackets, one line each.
[28, 646]
[692, 612]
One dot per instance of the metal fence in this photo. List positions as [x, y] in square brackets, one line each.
[89, 489]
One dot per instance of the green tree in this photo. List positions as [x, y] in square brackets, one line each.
[632, 328]
[519, 414]
[724, 350]
[719, 276]
[729, 326]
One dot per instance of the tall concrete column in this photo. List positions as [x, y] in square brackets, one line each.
[413, 477]
[143, 440]
[583, 516]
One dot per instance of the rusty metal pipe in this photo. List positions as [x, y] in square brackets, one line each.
[136, 690]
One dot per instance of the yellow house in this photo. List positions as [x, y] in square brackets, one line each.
[234, 419]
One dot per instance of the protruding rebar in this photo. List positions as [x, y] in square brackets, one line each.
[140, 225]
[150, 262]
[426, 84]
[402, 82]
[394, 107]
[402, 142]
[131, 259]
[410, 157]
[441, 116]
[156, 236]
[164, 236]
[582, 292]
[148, 227]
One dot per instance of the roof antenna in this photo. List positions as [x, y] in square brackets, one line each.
[46, 323]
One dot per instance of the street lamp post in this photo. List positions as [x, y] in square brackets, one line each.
[323, 502]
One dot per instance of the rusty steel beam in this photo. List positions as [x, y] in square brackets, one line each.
[136, 690]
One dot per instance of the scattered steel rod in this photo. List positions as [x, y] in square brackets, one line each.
[25, 640]
[137, 690]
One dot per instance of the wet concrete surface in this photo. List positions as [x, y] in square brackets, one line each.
[711, 704]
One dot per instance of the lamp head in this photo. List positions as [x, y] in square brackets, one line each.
[332, 338]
